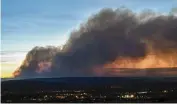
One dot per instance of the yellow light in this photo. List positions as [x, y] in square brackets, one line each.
[126, 96]
[131, 96]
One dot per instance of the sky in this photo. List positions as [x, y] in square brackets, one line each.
[29, 23]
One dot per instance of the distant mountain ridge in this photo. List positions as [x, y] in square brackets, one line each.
[24, 85]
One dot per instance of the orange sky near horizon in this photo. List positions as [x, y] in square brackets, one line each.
[10, 62]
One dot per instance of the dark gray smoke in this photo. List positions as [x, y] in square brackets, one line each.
[31, 66]
[106, 36]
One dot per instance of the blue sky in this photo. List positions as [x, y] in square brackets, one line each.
[30, 23]
[27, 23]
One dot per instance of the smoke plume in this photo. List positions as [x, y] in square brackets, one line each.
[38, 62]
[108, 41]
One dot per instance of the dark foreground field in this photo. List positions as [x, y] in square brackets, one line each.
[90, 89]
